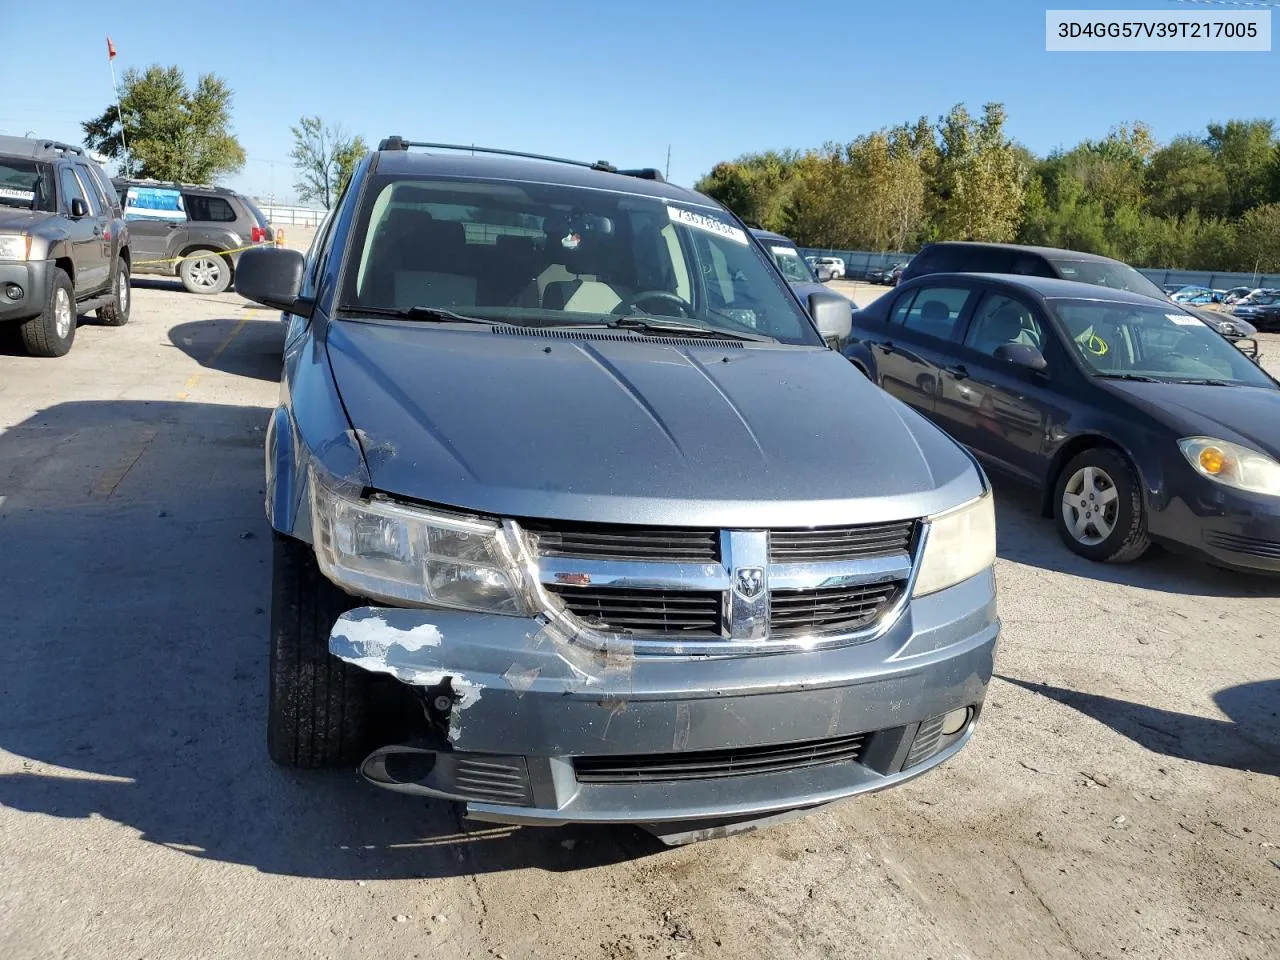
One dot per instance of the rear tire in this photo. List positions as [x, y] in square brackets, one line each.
[1099, 507]
[204, 271]
[52, 333]
[116, 313]
[317, 705]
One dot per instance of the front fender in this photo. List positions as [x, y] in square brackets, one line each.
[858, 352]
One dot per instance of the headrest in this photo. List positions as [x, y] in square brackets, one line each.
[934, 310]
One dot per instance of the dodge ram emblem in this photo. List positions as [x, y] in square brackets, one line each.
[749, 581]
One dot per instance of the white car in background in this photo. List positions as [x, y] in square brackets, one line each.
[829, 268]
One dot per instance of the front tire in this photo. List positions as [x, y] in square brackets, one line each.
[1101, 514]
[317, 706]
[204, 271]
[52, 333]
[116, 313]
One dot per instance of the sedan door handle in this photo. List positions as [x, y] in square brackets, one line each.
[171, 226]
[888, 346]
[957, 370]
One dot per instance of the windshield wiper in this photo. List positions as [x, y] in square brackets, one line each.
[658, 327]
[429, 314]
[1206, 381]
[1128, 376]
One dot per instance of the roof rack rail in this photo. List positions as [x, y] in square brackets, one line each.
[62, 147]
[177, 184]
[36, 147]
[642, 173]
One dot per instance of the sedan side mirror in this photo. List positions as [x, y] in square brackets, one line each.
[272, 276]
[79, 208]
[833, 316]
[1021, 355]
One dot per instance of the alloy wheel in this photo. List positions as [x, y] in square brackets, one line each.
[1090, 504]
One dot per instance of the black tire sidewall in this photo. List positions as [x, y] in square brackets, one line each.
[224, 275]
[111, 315]
[1128, 539]
[40, 334]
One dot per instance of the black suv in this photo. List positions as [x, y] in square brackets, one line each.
[64, 248]
[967, 257]
[194, 232]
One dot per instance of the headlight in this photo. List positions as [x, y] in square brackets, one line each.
[408, 555]
[1237, 466]
[961, 543]
[15, 247]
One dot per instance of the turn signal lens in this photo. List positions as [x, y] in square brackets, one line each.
[1212, 460]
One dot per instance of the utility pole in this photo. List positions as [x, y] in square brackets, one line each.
[667, 175]
[111, 62]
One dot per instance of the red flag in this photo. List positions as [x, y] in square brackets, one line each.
[111, 49]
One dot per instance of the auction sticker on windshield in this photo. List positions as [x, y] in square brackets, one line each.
[1183, 320]
[701, 221]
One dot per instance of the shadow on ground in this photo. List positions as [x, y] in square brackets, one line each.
[133, 674]
[246, 347]
[1026, 537]
[1248, 740]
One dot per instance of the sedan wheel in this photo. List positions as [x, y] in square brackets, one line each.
[1089, 505]
[1102, 513]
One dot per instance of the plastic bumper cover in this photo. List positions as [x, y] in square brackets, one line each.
[32, 279]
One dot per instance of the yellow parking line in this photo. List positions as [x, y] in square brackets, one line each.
[195, 377]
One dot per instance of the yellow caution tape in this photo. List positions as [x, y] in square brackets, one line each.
[221, 253]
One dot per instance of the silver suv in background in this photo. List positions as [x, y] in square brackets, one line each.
[576, 518]
[195, 233]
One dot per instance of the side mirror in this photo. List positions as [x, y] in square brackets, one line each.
[833, 316]
[272, 276]
[1021, 355]
[79, 208]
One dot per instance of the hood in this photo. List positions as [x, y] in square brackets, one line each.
[1225, 323]
[1248, 415]
[637, 431]
[12, 219]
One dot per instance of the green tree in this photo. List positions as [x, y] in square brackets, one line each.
[172, 132]
[1246, 152]
[979, 181]
[325, 158]
[1258, 240]
[1185, 176]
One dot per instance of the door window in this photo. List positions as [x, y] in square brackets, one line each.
[71, 189]
[214, 209]
[92, 191]
[900, 308]
[1000, 320]
[936, 312]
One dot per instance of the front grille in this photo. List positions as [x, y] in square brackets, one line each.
[493, 779]
[822, 544]
[830, 608]
[709, 764]
[678, 612]
[607, 542]
[1253, 546]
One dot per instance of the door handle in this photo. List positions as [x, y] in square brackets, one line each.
[171, 226]
[97, 231]
[957, 370]
[888, 347]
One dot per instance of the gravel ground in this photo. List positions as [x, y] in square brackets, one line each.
[1120, 798]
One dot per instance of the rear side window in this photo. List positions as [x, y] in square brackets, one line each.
[97, 199]
[106, 188]
[901, 307]
[210, 209]
[936, 312]
[1000, 320]
[153, 203]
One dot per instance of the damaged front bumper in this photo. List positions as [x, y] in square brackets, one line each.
[542, 729]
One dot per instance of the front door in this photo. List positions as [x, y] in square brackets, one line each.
[157, 223]
[88, 255]
[1000, 411]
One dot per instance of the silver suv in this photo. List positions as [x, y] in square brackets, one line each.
[577, 519]
[196, 233]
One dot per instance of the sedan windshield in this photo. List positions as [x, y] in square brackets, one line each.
[1131, 340]
[556, 255]
[789, 262]
[25, 184]
[1102, 273]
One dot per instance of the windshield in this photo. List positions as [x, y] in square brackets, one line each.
[1157, 342]
[549, 254]
[790, 263]
[25, 184]
[1117, 276]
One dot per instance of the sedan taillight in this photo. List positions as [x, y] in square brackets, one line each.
[261, 235]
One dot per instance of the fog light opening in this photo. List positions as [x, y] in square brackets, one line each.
[955, 721]
[13, 291]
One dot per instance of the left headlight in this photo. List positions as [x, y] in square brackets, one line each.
[402, 554]
[961, 544]
[15, 246]
[1233, 464]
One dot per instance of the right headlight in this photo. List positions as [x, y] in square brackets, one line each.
[1232, 464]
[961, 543]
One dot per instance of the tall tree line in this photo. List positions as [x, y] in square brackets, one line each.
[1209, 202]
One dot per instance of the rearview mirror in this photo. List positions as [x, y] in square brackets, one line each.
[79, 208]
[1021, 355]
[272, 276]
[833, 316]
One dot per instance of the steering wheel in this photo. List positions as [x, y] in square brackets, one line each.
[633, 303]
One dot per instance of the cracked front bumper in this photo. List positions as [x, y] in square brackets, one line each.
[534, 715]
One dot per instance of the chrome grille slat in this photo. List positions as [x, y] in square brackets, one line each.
[607, 542]
[645, 611]
[838, 543]
[710, 764]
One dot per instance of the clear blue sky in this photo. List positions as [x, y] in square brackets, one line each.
[619, 81]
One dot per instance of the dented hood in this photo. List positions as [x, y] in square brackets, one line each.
[636, 431]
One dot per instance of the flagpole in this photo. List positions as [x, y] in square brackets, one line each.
[111, 62]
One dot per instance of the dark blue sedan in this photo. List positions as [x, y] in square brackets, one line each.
[1137, 422]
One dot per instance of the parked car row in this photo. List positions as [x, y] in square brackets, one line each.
[1261, 308]
[889, 275]
[71, 239]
